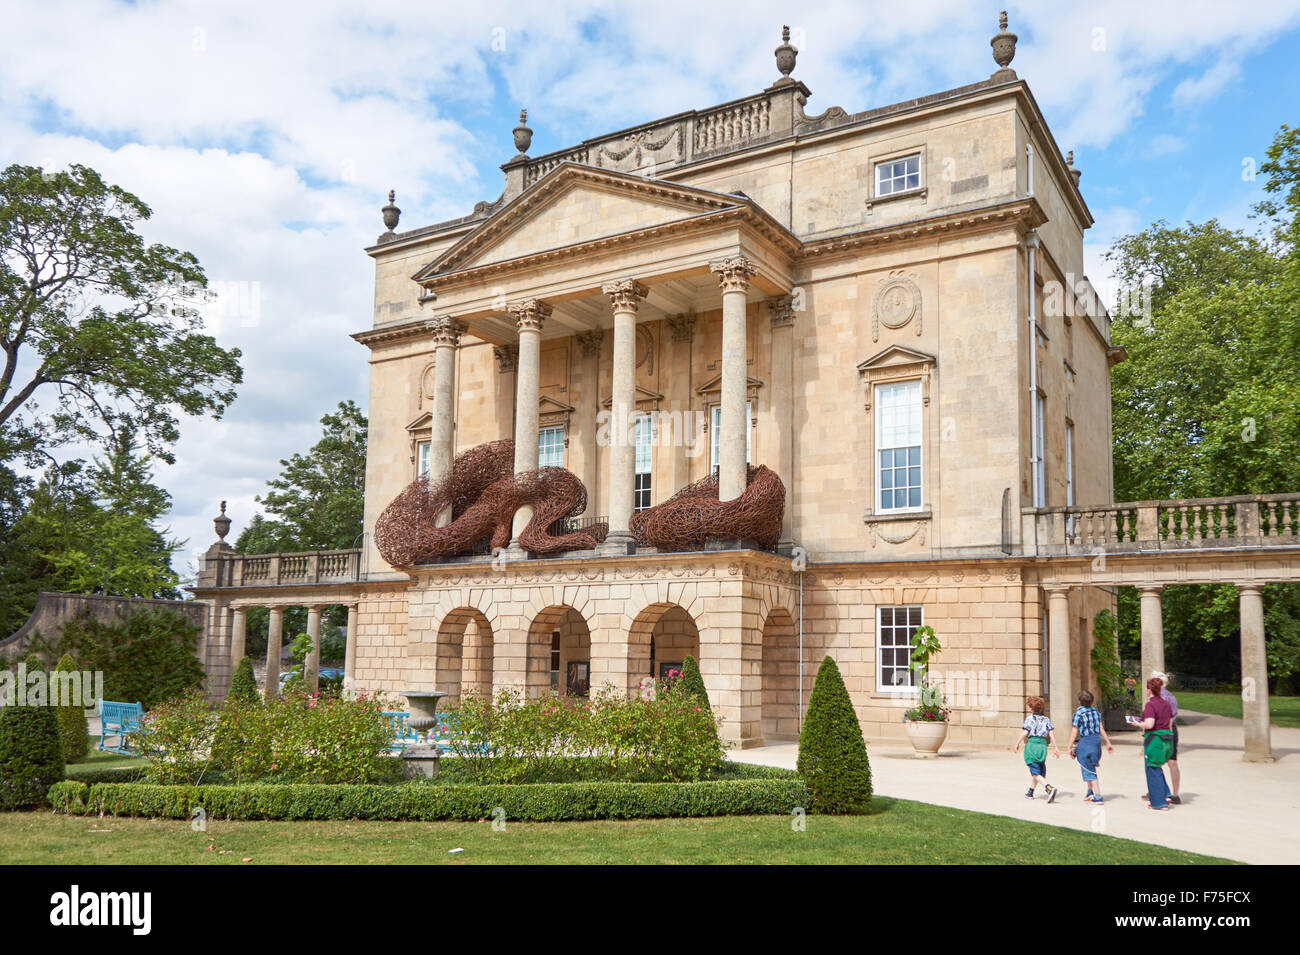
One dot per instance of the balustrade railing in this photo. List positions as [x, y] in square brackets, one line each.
[1259, 520]
[268, 570]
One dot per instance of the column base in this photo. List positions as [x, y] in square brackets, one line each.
[514, 552]
[1258, 758]
[617, 545]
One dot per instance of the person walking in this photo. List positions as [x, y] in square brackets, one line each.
[1035, 734]
[1175, 777]
[1156, 718]
[1086, 736]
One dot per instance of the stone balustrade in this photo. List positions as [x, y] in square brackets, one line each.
[1258, 520]
[268, 570]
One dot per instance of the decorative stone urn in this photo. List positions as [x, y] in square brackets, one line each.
[785, 56]
[523, 135]
[1004, 44]
[423, 705]
[926, 737]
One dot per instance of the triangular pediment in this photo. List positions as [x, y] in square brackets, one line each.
[645, 398]
[714, 385]
[895, 355]
[422, 423]
[575, 204]
[548, 405]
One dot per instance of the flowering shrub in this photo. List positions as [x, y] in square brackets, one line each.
[297, 736]
[671, 737]
[176, 736]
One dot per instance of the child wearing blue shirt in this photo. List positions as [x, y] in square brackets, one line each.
[1086, 735]
[1035, 734]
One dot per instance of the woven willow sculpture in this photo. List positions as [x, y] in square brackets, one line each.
[694, 514]
[483, 494]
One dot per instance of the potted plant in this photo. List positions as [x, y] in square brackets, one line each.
[927, 722]
[1116, 698]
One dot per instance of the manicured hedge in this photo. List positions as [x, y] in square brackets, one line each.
[546, 802]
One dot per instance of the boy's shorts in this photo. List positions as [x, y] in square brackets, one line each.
[1037, 769]
[1088, 752]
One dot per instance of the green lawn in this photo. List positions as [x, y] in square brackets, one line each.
[896, 831]
[1283, 710]
[103, 760]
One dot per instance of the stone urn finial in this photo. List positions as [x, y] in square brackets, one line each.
[785, 56]
[1004, 49]
[221, 523]
[391, 212]
[523, 135]
[1075, 174]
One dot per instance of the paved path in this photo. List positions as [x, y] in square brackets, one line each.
[1232, 809]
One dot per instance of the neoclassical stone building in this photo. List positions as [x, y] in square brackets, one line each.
[887, 308]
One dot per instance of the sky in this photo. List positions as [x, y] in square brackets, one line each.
[266, 135]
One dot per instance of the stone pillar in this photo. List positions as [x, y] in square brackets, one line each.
[586, 408]
[507, 357]
[350, 653]
[625, 296]
[692, 444]
[311, 673]
[1254, 677]
[442, 441]
[274, 636]
[782, 406]
[1153, 633]
[1059, 685]
[529, 316]
[733, 276]
[238, 623]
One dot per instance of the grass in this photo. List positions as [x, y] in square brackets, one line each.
[102, 760]
[1283, 710]
[896, 831]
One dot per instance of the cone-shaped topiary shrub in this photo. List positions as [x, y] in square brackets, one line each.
[693, 682]
[832, 752]
[72, 719]
[243, 685]
[31, 753]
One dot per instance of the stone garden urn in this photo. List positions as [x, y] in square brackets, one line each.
[421, 762]
[926, 736]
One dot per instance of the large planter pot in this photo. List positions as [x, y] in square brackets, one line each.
[926, 737]
[1115, 721]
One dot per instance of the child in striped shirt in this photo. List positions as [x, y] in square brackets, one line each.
[1035, 734]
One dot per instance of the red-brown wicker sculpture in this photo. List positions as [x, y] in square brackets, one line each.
[483, 494]
[694, 514]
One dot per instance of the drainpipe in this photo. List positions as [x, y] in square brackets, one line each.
[1035, 427]
[800, 710]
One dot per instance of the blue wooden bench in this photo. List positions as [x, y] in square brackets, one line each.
[120, 720]
[402, 735]
[447, 733]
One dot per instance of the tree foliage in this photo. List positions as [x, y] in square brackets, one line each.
[95, 322]
[72, 719]
[31, 751]
[1208, 403]
[832, 752]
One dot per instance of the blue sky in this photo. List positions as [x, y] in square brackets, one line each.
[266, 135]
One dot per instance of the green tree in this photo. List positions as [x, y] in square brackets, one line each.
[72, 719]
[243, 684]
[31, 752]
[98, 319]
[832, 752]
[318, 500]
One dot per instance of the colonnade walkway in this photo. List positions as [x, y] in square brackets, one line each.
[1232, 808]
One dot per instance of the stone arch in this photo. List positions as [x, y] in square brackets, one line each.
[463, 653]
[779, 671]
[663, 633]
[559, 652]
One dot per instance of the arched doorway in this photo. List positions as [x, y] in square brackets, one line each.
[661, 637]
[463, 654]
[559, 653]
[780, 677]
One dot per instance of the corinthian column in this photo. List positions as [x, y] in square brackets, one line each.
[625, 296]
[529, 315]
[442, 446]
[733, 276]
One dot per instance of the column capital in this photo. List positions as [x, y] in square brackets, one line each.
[529, 313]
[1057, 590]
[782, 309]
[591, 342]
[733, 272]
[1251, 589]
[446, 330]
[507, 357]
[682, 327]
[625, 294]
[1156, 589]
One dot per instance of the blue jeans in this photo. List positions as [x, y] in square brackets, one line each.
[1087, 751]
[1157, 789]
